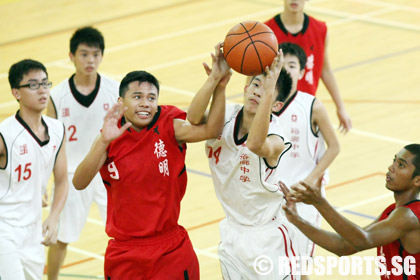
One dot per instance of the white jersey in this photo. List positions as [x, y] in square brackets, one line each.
[245, 185]
[28, 168]
[82, 116]
[308, 147]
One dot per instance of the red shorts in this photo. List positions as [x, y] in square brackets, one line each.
[167, 256]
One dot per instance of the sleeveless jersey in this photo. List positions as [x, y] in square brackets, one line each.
[312, 40]
[82, 118]
[30, 162]
[244, 183]
[307, 146]
[396, 249]
[146, 178]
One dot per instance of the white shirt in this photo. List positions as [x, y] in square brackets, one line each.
[28, 168]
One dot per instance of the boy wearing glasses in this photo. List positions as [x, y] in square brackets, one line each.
[81, 103]
[31, 147]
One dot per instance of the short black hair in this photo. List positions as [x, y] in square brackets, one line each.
[283, 85]
[296, 50]
[415, 150]
[22, 68]
[140, 76]
[89, 36]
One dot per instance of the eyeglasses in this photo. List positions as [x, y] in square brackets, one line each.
[34, 85]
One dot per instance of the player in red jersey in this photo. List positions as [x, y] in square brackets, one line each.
[396, 233]
[140, 154]
[294, 26]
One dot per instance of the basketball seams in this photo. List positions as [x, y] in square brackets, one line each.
[239, 55]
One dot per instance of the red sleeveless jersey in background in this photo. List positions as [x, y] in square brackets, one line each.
[312, 40]
[144, 200]
[396, 249]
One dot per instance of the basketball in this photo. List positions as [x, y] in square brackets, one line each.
[249, 47]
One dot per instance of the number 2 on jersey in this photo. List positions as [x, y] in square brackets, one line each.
[214, 154]
[72, 128]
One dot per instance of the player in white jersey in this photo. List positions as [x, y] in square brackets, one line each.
[306, 123]
[243, 162]
[31, 147]
[81, 102]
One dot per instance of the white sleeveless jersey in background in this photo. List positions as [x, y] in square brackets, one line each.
[308, 146]
[245, 185]
[82, 122]
[28, 168]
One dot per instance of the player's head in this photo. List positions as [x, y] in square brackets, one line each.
[404, 173]
[86, 50]
[29, 83]
[88, 36]
[139, 92]
[294, 62]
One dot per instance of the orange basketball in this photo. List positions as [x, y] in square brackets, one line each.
[249, 47]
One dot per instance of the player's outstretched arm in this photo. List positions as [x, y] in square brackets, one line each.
[61, 188]
[218, 77]
[97, 155]
[328, 78]
[321, 120]
[330, 241]
[401, 221]
[270, 147]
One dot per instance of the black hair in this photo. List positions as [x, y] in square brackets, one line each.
[415, 150]
[296, 50]
[89, 36]
[22, 68]
[140, 76]
[283, 85]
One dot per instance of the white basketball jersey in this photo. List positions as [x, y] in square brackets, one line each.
[308, 146]
[245, 185]
[83, 122]
[28, 168]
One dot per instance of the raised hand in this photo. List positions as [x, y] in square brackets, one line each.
[220, 70]
[290, 206]
[306, 193]
[272, 73]
[110, 129]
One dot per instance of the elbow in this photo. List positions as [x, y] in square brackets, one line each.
[254, 147]
[194, 121]
[78, 185]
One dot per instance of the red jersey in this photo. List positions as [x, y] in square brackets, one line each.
[396, 249]
[312, 40]
[145, 178]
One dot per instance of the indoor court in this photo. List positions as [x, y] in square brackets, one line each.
[374, 49]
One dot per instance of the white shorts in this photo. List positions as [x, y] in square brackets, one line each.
[77, 207]
[22, 256]
[242, 246]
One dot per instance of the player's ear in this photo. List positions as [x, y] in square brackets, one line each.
[416, 181]
[301, 73]
[71, 56]
[16, 93]
[277, 106]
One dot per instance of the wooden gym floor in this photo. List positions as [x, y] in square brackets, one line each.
[374, 49]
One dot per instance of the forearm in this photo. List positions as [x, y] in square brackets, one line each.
[330, 241]
[258, 132]
[349, 231]
[216, 116]
[330, 83]
[60, 196]
[91, 164]
[326, 160]
[198, 106]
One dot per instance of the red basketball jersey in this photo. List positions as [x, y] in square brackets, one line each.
[145, 178]
[312, 40]
[396, 249]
